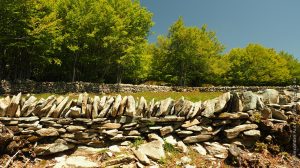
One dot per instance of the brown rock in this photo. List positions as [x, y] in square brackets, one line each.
[47, 132]
[13, 107]
[197, 138]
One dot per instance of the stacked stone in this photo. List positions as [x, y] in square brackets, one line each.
[66, 87]
[244, 117]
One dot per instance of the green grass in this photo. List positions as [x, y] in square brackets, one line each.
[192, 96]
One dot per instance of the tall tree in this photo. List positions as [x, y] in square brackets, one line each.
[293, 65]
[257, 65]
[185, 52]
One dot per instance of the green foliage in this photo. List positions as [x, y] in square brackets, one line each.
[69, 38]
[183, 56]
[293, 65]
[256, 117]
[260, 146]
[170, 148]
[274, 149]
[106, 41]
[256, 65]
[137, 142]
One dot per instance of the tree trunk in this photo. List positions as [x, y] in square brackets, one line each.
[182, 74]
[74, 67]
[119, 77]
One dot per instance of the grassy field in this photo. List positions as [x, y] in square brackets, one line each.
[192, 96]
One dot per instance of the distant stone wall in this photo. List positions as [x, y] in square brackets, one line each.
[55, 124]
[64, 87]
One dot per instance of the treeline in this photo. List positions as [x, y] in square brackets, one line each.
[106, 41]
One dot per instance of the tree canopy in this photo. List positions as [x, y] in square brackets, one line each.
[106, 41]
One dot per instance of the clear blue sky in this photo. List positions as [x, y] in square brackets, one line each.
[273, 23]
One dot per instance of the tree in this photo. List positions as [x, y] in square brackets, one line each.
[293, 65]
[107, 34]
[184, 53]
[256, 65]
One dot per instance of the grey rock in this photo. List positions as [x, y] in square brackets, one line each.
[215, 105]
[190, 123]
[53, 107]
[234, 132]
[277, 114]
[196, 110]
[142, 107]
[166, 130]
[95, 107]
[41, 104]
[74, 112]
[118, 161]
[186, 108]
[78, 161]
[58, 146]
[73, 128]
[141, 157]
[238, 115]
[27, 104]
[154, 137]
[266, 113]
[122, 106]
[116, 106]
[200, 149]
[13, 107]
[112, 132]
[182, 147]
[250, 101]
[102, 102]
[106, 107]
[165, 107]
[252, 133]
[153, 149]
[66, 108]
[134, 133]
[84, 104]
[270, 96]
[60, 107]
[216, 149]
[29, 119]
[4, 103]
[184, 133]
[197, 138]
[111, 126]
[171, 140]
[130, 107]
[178, 106]
[45, 110]
[47, 132]
[194, 128]
[114, 149]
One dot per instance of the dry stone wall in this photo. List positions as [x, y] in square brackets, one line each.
[64, 87]
[56, 124]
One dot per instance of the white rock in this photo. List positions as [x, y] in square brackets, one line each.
[130, 107]
[185, 160]
[116, 105]
[200, 149]
[80, 161]
[153, 149]
[153, 136]
[216, 149]
[171, 140]
[189, 166]
[114, 148]
[182, 147]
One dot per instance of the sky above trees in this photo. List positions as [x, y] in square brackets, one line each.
[273, 23]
